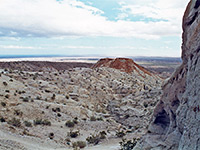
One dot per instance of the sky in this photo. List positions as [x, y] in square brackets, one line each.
[91, 27]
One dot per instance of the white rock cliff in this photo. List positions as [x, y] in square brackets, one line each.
[176, 119]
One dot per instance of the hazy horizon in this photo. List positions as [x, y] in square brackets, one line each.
[94, 28]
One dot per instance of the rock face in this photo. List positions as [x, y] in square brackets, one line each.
[175, 122]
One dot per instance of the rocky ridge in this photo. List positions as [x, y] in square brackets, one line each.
[175, 122]
[123, 64]
[36, 106]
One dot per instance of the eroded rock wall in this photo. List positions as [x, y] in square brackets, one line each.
[176, 120]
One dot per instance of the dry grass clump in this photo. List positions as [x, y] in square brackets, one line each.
[79, 144]
[42, 122]
[15, 122]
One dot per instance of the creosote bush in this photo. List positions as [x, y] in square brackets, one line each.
[51, 135]
[79, 144]
[2, 119]
[5, 83]
[42, 122]
[3, 104]
[145, 104]
[93, 118]
[96, 138]
[27, 124]
[93, 139]
[120, 134]
[73, 134]
[70, 124]
[75, 120]
[127, 144]
[15, 122]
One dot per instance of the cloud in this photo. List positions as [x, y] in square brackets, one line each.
[18, 47]
[60, 18]
[168, 10]
[78, 47]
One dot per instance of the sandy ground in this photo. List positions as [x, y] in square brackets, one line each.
[8, 141]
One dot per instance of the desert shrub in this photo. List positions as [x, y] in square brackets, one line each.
[75, 120]
[51, 135]
[53, 109]
[79, 144]
[59, 115]
[53, 97]
[120, 134]
[93, 118]
[84, 119]
[73, 134]
[15, 122]
[38, 97]
[7, 91]
[58, 109]
[145, 104]
[3, 104]
[25, 99]
[23, 92]
[18, 112]
[5, 83]
[46, 122]
[2, 119]
[37, 122]
[27, 124]
[93, 139]
[99, 119]
[137, 127]
[67, 96]
[127, 145]
[42, 122]
[102, 134]
[7, 96]
[70, 124]
[47, 91]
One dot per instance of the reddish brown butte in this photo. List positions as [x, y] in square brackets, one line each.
[123, 64]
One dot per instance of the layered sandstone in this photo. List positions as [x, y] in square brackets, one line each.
[175, 123]
[125, 65]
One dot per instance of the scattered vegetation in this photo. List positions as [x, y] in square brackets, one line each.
[25, 99]
[18, 112]
[2, 119]
[15, 122]
[5, 83]
[51, 135]
[70, 124]
[93, 118]
[7, 96]
[93, 139]
[145, 104]
[120, 134]
[96, 138]
[79, 144]
[53, 97]
[3, 104]
[127, 144]
[75, 120]
[74, 134]
[27, 124]
[42, 122]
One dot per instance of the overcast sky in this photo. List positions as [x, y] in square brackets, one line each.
[91, 27]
